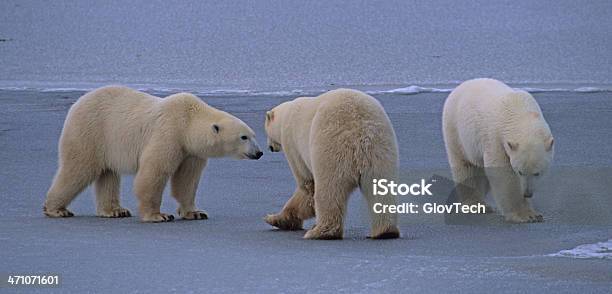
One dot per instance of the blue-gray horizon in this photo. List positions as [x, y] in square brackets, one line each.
[293, 47]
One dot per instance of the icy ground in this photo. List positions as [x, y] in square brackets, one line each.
[235, 251]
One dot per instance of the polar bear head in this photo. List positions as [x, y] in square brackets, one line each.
[214, 133]
[273, 126]
[530, 154]
[273, 131]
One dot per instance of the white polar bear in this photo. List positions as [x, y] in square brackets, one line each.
[115, 130]
[496, 138]
[334, 143]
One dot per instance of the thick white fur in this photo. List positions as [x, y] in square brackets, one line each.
[334, 143]
[497, 139]
[115, 130]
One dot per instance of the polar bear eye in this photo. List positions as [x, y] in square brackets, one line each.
[536, 174]
[244, 137]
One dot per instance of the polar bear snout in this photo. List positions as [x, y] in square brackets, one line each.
[527, 182]
[255, 156]
[253, 151]
[528, 188]
[273, 146]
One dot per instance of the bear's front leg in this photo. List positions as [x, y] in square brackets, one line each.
[184, 184]
[299, 208]
[149, 185]
[506, 190]
[524, 216]
[107, 196]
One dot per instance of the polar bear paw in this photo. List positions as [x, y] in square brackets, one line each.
[389, 233]
[59, 212]
[194, 215]
[316, 233]
[116, 213]
[157, 218]
[525, 217]
[284, 223]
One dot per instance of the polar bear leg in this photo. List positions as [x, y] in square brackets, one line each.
[107, 196]
[472, 185]
[505, 187]
[299, 208]
[184, 184]
[149, 185]
[383, 225]
[330, 200]
[70, 180]
[470, 180]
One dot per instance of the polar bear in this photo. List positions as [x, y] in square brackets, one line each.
[334, 143]
[497, 139]
[115, 130]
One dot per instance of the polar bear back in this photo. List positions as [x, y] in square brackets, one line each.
[480, 112]
[354, 129]
[112, 124]
[348, 127]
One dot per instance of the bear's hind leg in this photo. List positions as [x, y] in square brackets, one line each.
[330, 199]
[107, 196]
[67, 184]
[184, 184]
[299, 208]
[383, 225]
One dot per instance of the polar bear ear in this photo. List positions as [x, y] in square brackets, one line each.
[512, 146]
[270, 116]
[215, 128]
[550, 143]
